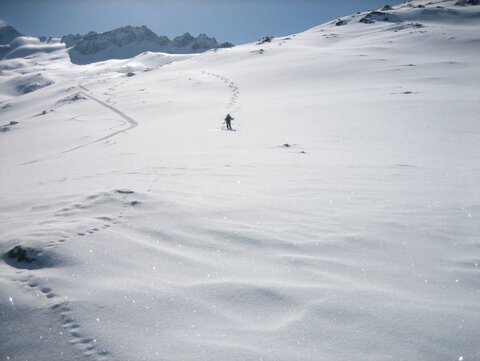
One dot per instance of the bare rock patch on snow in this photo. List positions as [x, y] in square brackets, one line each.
[6, 127]
[24, 84]
[265, 39]
[378, 15]
[71, 99]
[466, 2]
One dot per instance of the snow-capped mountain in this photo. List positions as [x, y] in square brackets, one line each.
[186, 44]
[8, 34]
[129, 41]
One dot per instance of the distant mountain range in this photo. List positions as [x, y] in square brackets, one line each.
[129, 41]
[121, 43]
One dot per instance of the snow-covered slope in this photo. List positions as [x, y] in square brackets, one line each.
[339, 222]
[129, 41]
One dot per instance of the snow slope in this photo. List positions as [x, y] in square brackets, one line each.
[340, 221]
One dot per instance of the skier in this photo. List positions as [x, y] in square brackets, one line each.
[228, 121]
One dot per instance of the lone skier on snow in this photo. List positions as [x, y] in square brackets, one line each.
[228, 121]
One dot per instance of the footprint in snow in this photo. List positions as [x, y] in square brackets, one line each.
[59, 307]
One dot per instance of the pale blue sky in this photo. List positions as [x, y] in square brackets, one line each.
[237, 21]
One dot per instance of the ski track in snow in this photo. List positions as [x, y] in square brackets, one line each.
[59, 305]
[109, 93]
[128, 120]
[232, 86]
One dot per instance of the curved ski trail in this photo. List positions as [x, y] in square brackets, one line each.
[132, 123]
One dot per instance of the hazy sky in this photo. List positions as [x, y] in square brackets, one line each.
[237, 21]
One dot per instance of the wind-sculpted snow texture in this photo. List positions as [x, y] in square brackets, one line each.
[15, 45]
[340, 221]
